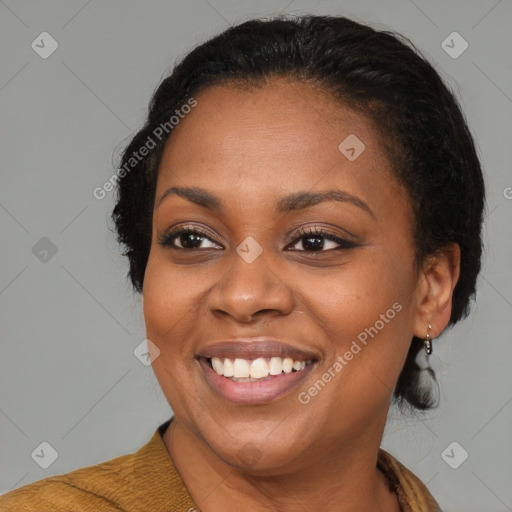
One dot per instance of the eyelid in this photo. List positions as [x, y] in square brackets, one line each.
[344, 242]
[165, 238]
[320, 230]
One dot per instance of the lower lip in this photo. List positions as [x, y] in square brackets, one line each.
[252, 393]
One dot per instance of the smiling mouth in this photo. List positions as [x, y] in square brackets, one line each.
[255, 370]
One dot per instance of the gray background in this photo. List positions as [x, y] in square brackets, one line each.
[70, 324]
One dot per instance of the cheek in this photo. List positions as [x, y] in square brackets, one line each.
[365, 312]
[170, 309]
[169, 317]
[168, 297]
[355, 295]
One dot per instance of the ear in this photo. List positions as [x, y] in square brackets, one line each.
[436, 282]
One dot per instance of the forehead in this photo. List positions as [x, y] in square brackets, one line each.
[281, 136]
[285, 118]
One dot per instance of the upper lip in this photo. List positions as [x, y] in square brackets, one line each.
[253, 348]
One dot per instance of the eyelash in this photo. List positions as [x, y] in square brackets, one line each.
[167, 239]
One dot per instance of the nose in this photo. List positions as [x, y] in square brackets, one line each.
[247, 290]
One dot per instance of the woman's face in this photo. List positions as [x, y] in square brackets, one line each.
[346, 298]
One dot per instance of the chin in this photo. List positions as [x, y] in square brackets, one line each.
[256, 454]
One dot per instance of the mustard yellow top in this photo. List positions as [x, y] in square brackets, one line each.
[147, 481]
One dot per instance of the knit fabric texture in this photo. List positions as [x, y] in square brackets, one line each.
[148, 481]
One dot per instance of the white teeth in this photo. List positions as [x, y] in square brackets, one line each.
[228, 368]
[276, 366]
[287, 365]
[259, 368]
[241, 368]
[218, 365]
[299, 365]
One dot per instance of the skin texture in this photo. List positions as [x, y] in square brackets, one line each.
[250, 147]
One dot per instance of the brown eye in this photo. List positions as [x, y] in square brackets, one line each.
[313, 240]
[184, 238]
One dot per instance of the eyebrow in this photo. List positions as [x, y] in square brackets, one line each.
[289, 203]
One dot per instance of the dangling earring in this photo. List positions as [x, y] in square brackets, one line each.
[427, 342]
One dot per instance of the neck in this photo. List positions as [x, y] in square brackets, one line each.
[345, 479]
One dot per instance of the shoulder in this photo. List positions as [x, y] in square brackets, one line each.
[104, 487]
[144, 480]
[412, 493]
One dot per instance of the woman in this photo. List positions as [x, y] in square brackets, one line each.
[302, 214]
